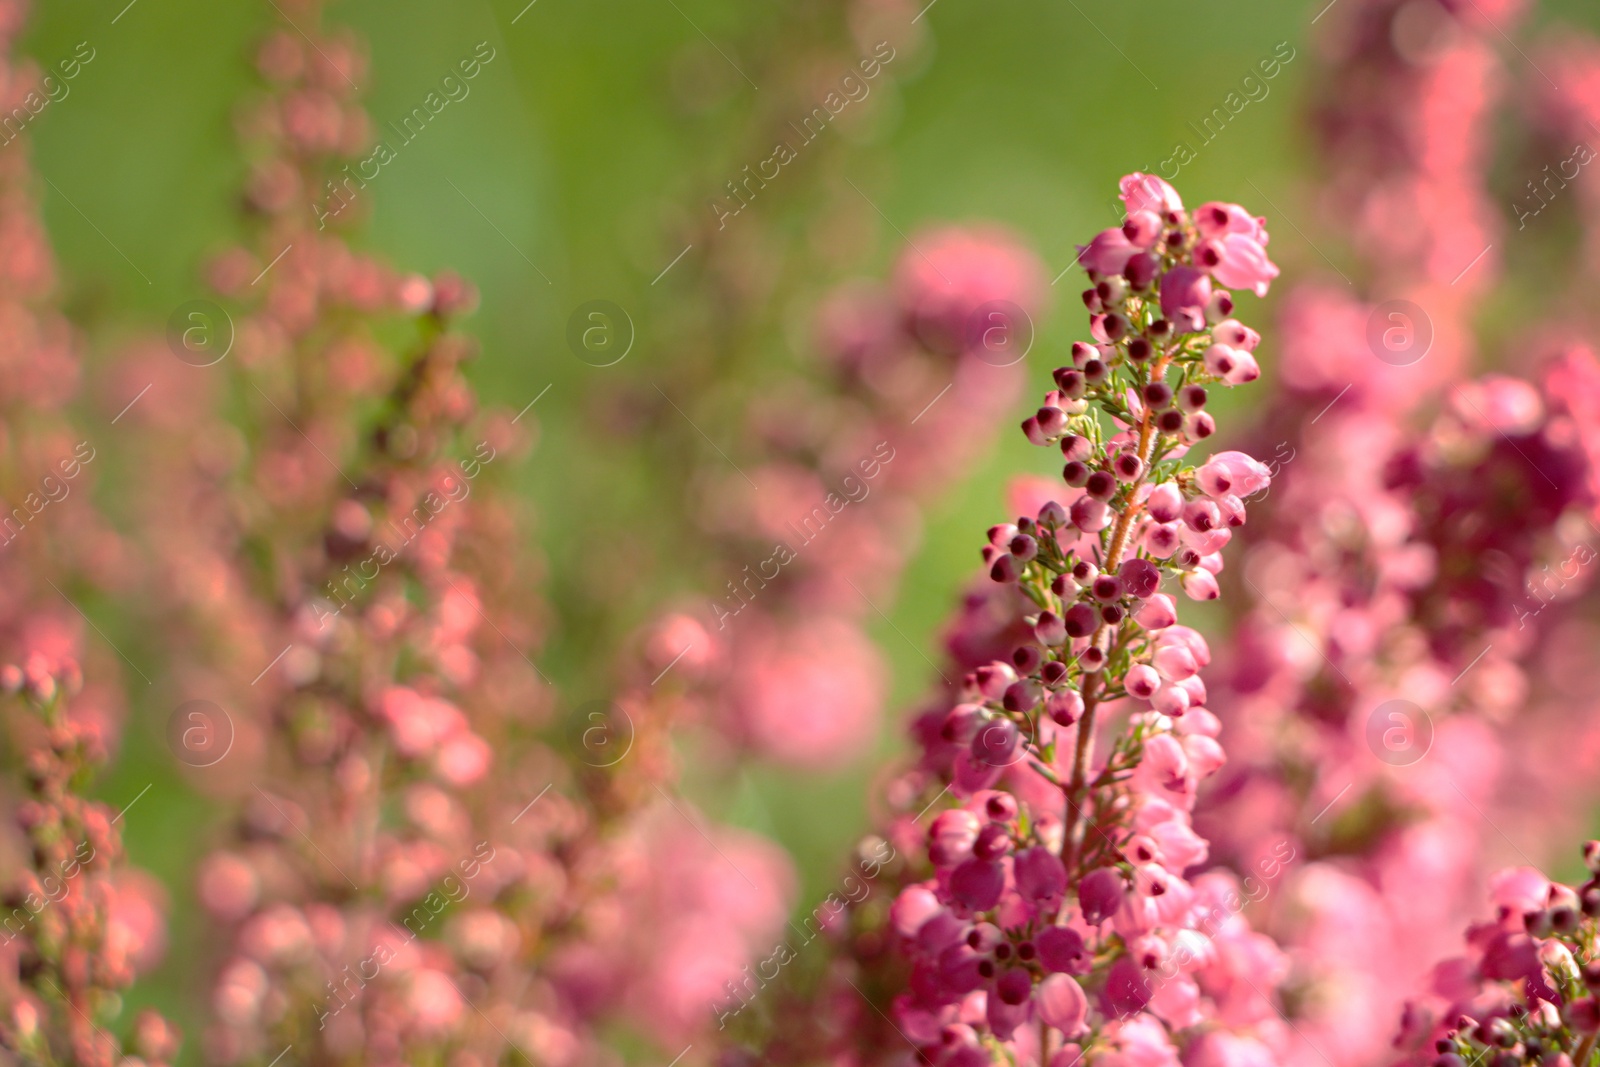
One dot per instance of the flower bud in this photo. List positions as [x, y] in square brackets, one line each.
[1006, 569]
[1202, 515]
[951, 837]
[1001, 535]
[1060, 949]
[1080, 620]
[1142, 681]
[996, 742]
[994, 679]
[1090, 515]
[977, 884]
[1158, 394]
[1221, 360]
[1142, 228]
[1140, 577]
[994, 841]
[1158, 613]
[1245, 368]
[1589, 899]
[1165, 503]
[1142, 269]
[1201, 585]
[1170, 700]
[1024, 547]
[961, 723]
[1220, 306]
[1065, 706]
[1072, 382]
[1234, 333]
[1050, 630]
[1040, 875]
[1107, 588]
[1100, 894]
[1200, 425]
[1075, 446]
[912, 909]
[1021, 695]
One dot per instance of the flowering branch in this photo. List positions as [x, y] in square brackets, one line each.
[1046, 916]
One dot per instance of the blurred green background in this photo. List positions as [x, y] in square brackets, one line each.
[573, 146]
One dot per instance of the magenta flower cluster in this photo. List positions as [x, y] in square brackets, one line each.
[1055, 920]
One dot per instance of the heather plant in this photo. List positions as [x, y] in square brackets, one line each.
[1395, 669]
[1523, 992]
[78, 923]
[1045, 915]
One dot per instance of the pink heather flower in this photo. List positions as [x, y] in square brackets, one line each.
[1216, 219]
[915, 905]
[434, 1003]
[951, 837]
[1108, 253]
[1185, 293]
[1061, 1004]
[1219, 1048]
[228, 886]
[1238, 261]
[1201, 585]
[418, 724]
[1165, 503]
[1040, 875]
[1158, 613]
[1234, 333]
[1233, 474]
[1142, 228]
[463, 759]
[1054, 786]
[1139, 1041]
[1234, 366]
[1502, 404]
[808, 695]
[956, 272]
[1100, 894]
[1518, 890]
[1146, 192]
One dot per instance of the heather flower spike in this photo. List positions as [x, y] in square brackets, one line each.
[77, 927]
[1046, 916]
[1525, 992]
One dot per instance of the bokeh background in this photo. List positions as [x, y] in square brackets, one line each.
[600, 130]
